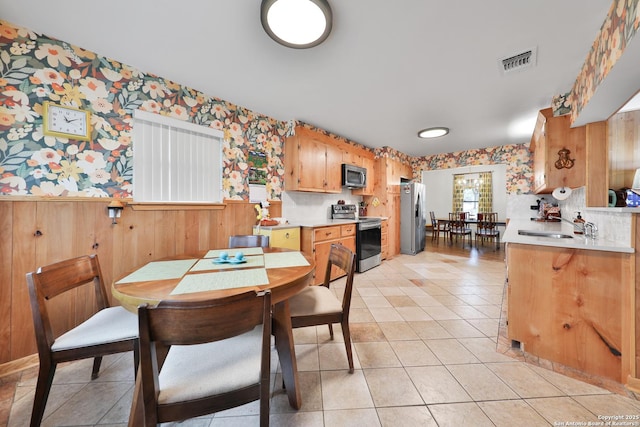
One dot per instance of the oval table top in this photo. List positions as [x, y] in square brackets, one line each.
[133, 289]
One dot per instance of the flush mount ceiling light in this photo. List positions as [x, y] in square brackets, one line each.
[298, 24]
[433, 132]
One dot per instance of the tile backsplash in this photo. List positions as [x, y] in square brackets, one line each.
[305, 208]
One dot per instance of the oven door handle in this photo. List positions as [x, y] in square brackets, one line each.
[369, 226]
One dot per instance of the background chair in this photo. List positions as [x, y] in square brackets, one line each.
[438, 227]
[487, 229]
[198, 358]
[249, 241]
[458, 224]
[109, 330]
[318, 305]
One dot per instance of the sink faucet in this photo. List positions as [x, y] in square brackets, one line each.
[588, 228]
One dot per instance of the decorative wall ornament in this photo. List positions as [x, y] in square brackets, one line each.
[564, 162]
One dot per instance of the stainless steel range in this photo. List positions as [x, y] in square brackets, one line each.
[368, 236]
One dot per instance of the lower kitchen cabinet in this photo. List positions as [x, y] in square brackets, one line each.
[281, 236]
[384, 239]
[317, 241]
[572, 307]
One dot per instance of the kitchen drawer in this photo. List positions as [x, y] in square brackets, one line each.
[288, 238]
[326, 233]
[348, 230]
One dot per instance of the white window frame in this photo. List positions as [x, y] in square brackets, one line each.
[175, 161]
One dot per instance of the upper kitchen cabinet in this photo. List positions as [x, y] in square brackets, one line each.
[365, 160]
[559, 153]
[312, 163]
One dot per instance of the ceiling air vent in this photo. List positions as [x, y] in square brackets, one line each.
[518, 61]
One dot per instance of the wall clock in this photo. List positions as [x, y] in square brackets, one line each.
[66, 122]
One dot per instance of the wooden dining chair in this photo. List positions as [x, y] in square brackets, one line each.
[487, 228]
[439, 227]
[318, 305]
[458, 224]
[248, 241]
[201, 357]
[109, 330]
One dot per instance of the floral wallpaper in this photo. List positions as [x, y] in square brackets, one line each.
[517, 157]
[35, 69]
[617, 30]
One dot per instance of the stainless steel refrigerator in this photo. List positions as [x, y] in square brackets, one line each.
[413, 219]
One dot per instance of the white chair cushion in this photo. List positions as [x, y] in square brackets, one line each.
[195, 371]
[111, 324]
[314, 300]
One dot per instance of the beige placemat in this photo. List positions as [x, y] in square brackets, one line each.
[215, 253]
[159, 270]
[284, 259]
[208, 264]
[221, 280]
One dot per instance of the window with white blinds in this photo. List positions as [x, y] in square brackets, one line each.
[175, 161]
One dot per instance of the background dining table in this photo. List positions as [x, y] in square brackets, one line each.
[204, 276]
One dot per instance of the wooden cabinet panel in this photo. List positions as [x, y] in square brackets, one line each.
[550, 136]
[288, 238]
[312, 159]
[384, 239]
[311, 163]
[570, 310]
[317, 241]
[326, 233]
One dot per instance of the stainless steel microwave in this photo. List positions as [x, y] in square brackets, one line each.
[353, 176]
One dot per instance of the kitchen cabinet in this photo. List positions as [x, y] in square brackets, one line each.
[287, 237]
[367, 163]
[385, 200]
[554, 167]
[384, 239]
[573, 309]
[317, 241]
[312, 163]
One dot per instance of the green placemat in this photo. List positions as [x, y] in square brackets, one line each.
[215, 253]
[159, 270]
[221, 280]
[208, 264]
[284, 259]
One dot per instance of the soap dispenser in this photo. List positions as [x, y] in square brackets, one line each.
[578, 224]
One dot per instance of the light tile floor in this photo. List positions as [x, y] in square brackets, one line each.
[424, 329]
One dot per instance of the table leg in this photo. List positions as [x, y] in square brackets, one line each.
[286, 352]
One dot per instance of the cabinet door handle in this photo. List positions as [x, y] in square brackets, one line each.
[286, 236]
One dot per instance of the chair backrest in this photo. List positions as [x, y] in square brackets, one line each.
[52, 280]
[457, 221]
[187, 323]
[249, 241]
[434, 223]
[343, 258]
[487, 220]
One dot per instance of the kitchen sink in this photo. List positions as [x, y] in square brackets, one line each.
[552, 234]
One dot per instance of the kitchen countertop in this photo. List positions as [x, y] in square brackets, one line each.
[578, 241]
[326, 222]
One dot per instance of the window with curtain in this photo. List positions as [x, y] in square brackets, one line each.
[473, 193]
[175, 161]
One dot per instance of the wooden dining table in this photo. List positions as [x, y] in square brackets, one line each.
[466, 221]
[202, 276]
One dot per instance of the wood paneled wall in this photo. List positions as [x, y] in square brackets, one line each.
[624, 148]
[36, 232]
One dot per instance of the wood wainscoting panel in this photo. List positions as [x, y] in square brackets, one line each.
[39, 231]
[6, 225]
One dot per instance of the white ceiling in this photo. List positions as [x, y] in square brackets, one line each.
[387, 70]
